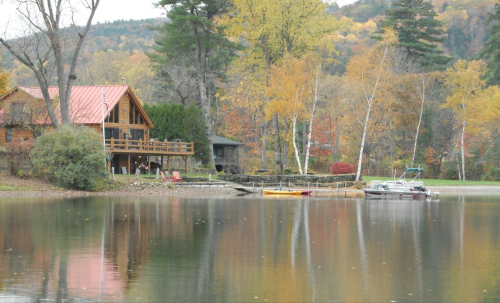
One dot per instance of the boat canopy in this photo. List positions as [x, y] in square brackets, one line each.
[414, 169]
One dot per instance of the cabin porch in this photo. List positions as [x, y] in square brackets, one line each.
[129, 152]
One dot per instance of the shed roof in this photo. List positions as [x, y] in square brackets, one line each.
[86, 101]
[223, 141]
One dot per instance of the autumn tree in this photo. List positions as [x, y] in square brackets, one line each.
[44, 49]
[192, 37]
[108, 68]
[294, 93]
[4, 78]
[366, 72]
[417, 30]
[248, 96]
[466, 98]
[272, 29]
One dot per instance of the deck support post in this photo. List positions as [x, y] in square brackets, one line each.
[149, 164]
[128, 164]
[168, 164]
[185, 164]
[161, 166]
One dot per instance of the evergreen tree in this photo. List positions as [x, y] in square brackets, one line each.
[195, 40]
[417, 30]
[491, 52]
[174, 121]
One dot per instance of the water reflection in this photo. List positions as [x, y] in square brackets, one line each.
[250, 249]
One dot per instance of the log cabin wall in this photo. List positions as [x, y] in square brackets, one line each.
[23, 105]
[19, 107]
[126, 120]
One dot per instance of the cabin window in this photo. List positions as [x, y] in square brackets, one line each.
[219, 151]
[137, 134]
[134, 116]
[112, 133]
[113, 115]
[8, 134]
[17, 112]
[131, 113]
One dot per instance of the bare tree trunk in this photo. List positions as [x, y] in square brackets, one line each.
[422, 97]
[456, 159]
[315, 100]
[277, 145]
[256, 140]
[204, 101]
[358, 173]
[294, 127]
[369, 100]
[304, 137]
[263, 159]
[463, 151]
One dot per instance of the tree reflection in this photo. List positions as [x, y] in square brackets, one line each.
[282, 250]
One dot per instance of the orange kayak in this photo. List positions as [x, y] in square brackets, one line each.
[287, 192]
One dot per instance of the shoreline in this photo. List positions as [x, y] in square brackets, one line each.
[185, 191]
[18, 187]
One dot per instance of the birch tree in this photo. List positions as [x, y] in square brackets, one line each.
[466, 83]
[44, 47]
[366, 71]
[423, 83]
[293, 89]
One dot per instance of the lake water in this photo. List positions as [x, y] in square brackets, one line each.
[249, 249]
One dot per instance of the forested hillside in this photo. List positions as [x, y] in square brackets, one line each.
[383, 85]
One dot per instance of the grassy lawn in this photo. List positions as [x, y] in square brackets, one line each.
[437, 182]
[7, 187]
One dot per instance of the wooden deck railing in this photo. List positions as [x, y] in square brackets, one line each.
[159, 147]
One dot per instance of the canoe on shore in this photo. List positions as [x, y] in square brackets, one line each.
[287, 192]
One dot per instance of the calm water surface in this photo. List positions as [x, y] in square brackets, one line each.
[250, 249]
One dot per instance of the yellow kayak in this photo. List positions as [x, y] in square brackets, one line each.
[286, 192]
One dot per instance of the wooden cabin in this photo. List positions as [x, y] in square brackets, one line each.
[226, 155]
[126, 128]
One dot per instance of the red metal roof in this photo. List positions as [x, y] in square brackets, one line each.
[86, 101]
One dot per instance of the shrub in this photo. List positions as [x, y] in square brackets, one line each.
[17, 153]
[342, 168]
[72, 157]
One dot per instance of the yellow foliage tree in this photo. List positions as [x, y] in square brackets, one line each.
[4, 79]
[108, 68]
[367, 74]
[273, 29]
[248, 98]
[466, 98]
[293, 91]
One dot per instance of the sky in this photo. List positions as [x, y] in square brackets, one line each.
[108, 10]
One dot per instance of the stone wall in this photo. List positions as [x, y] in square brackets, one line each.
[272, 180]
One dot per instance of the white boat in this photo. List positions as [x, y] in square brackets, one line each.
[383, 191]
[399, 189]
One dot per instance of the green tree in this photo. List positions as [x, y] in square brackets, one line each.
[72, 157]
[194, 39]
[417, 30]
[174, 121]
[491, 52]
